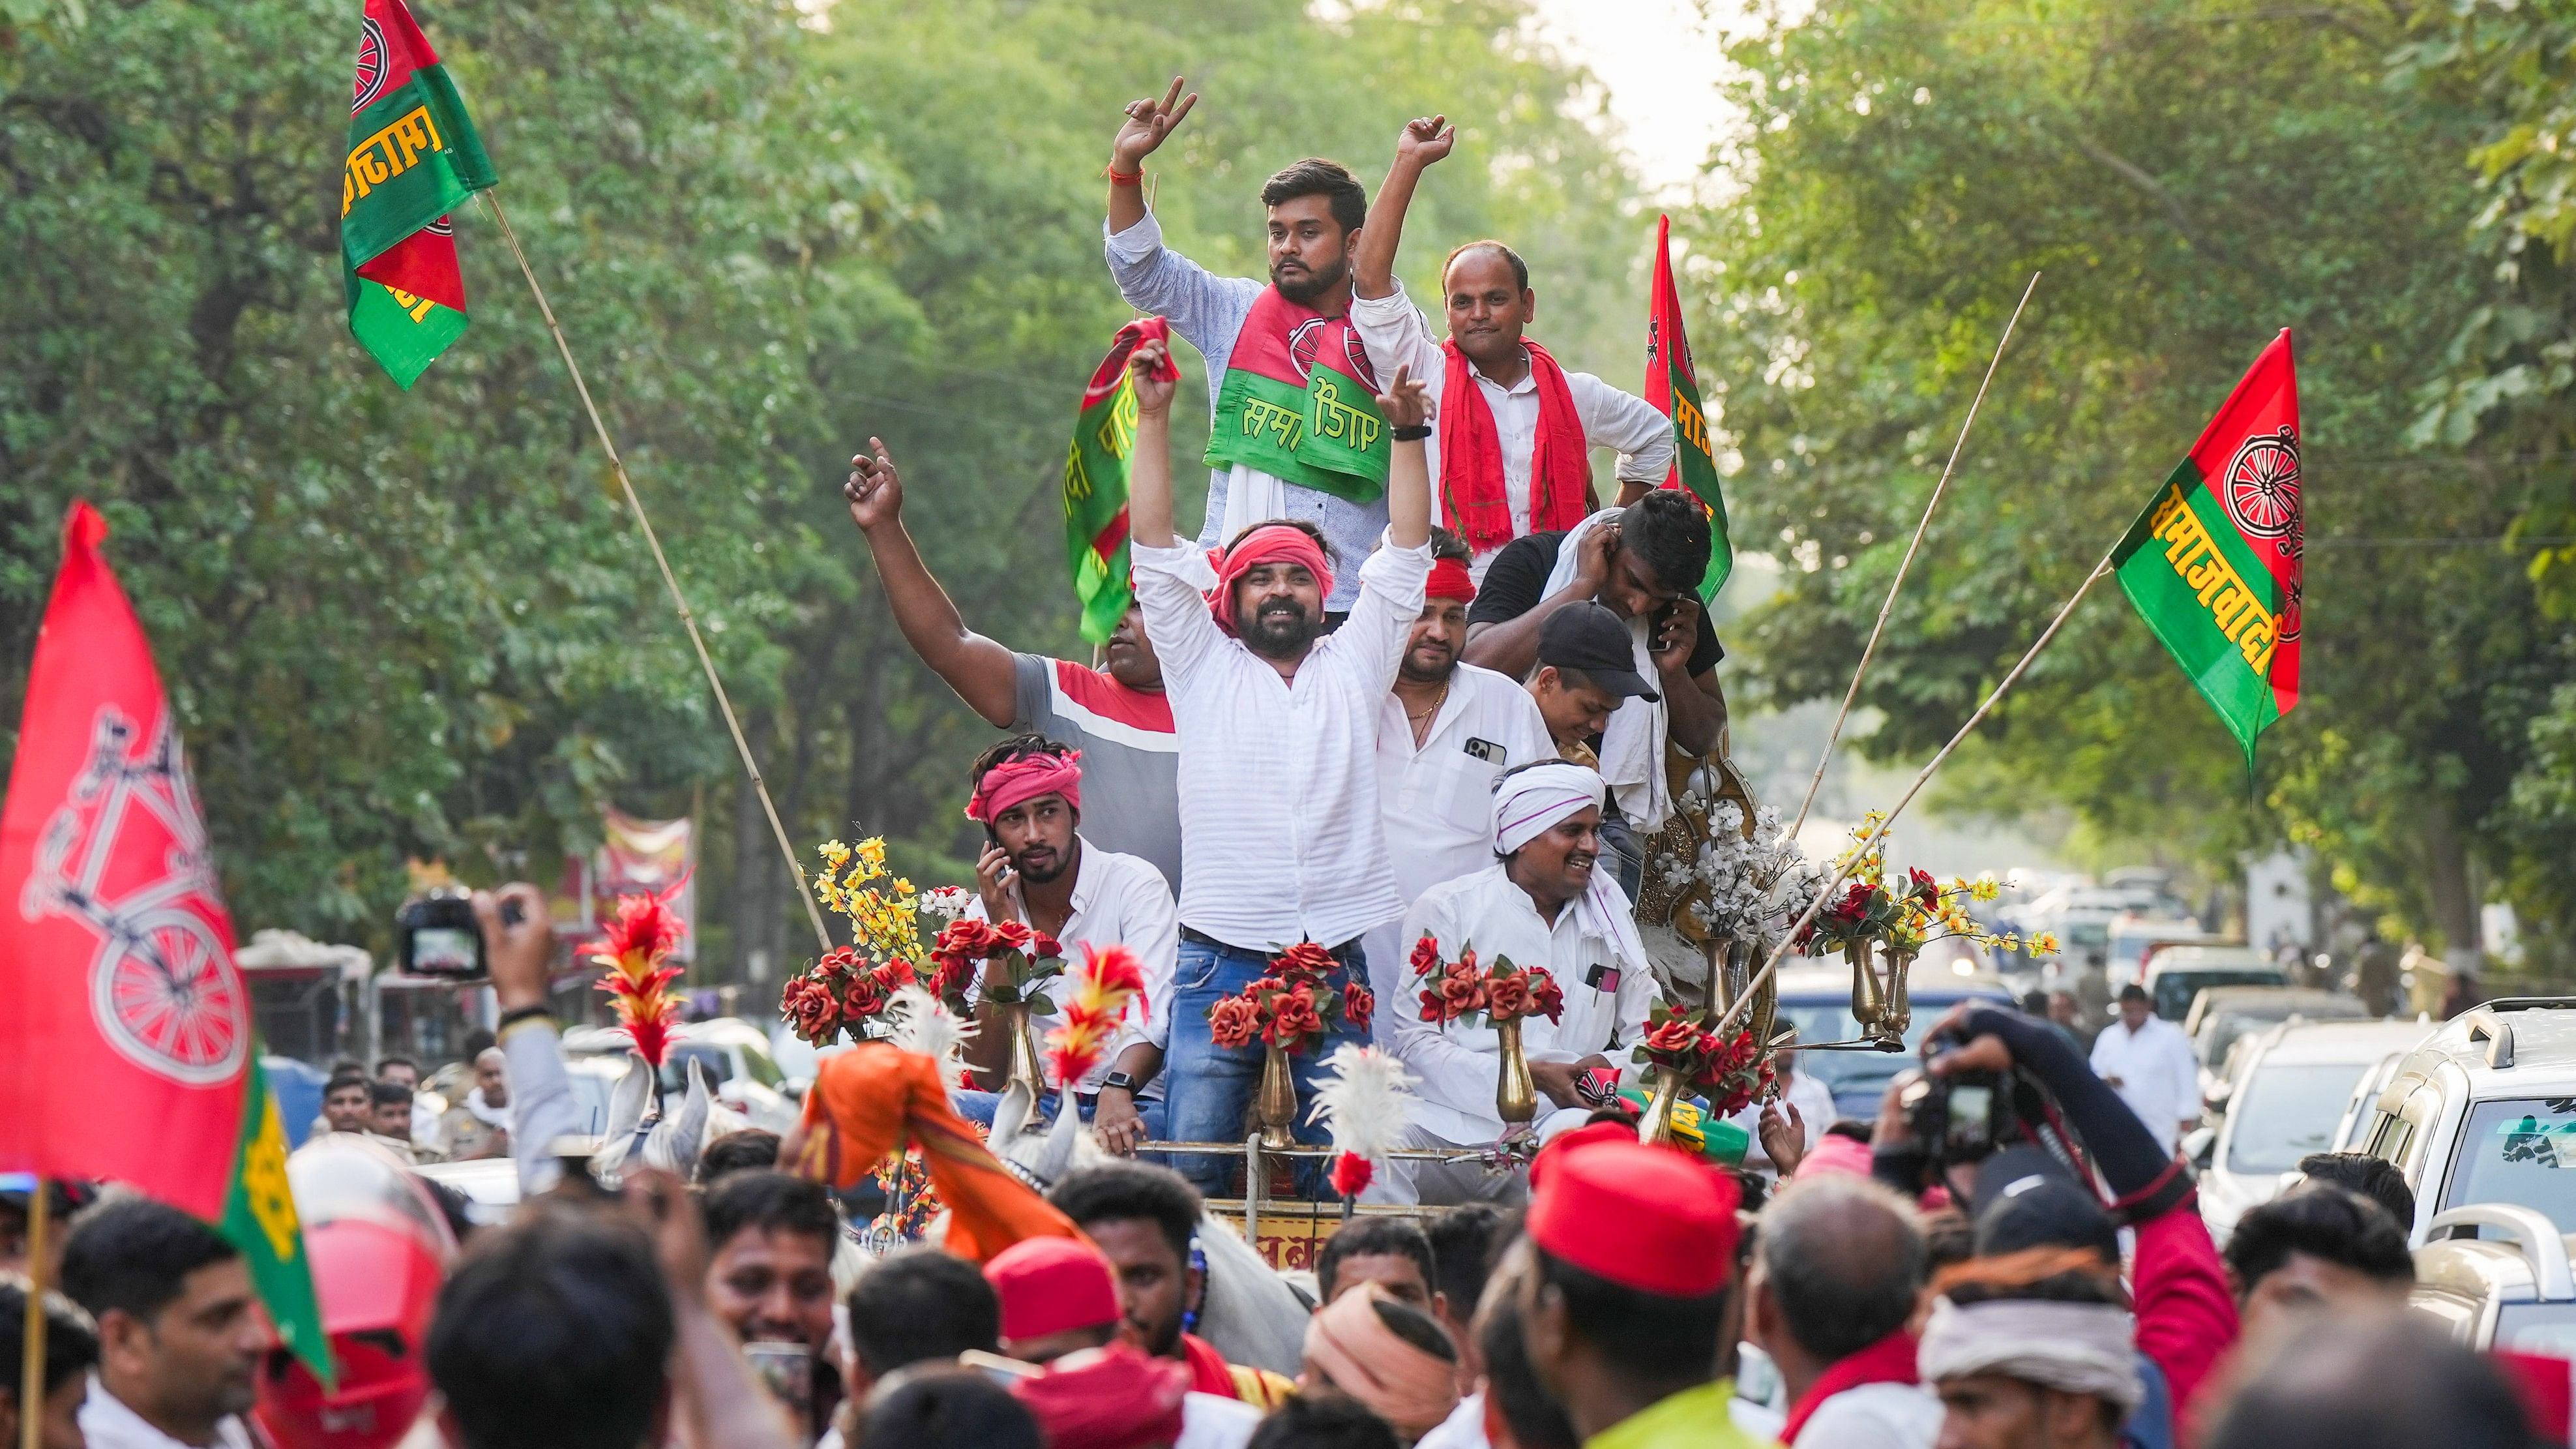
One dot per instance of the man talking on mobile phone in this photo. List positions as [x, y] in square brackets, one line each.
[1640, 562]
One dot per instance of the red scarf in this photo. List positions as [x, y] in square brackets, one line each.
[1208, 1371]
[1888, 1361]
[1471, 456]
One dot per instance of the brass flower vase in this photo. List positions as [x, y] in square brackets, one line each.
[1657, 1123]
[1515, 1094]
[1024, 1065]
[1869, 994]
[1898, 1012]
[1275, 1105]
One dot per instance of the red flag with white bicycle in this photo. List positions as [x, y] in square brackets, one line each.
[127, 1049]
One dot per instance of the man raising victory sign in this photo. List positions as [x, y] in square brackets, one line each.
[1297, 436]
[1512, 453]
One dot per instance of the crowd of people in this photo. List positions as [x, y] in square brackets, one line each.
[1410, 681]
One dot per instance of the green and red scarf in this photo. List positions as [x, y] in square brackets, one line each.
[1299, 402]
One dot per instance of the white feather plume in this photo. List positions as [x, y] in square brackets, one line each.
[923, 1023]
[1365, 1099]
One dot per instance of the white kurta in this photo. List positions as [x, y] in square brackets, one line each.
[1606, 997]
[2158, 1076]
[1118, 900]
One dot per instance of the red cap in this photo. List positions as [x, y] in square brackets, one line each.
[1642, 1217]
[1052, 1285]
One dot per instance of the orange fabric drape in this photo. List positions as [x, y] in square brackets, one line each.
[869, 1101]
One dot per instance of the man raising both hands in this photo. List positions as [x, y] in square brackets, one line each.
[1280, 837]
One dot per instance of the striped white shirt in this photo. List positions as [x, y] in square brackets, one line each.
[1280, 836]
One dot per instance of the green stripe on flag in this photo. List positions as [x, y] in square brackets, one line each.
[403, 334]
[2210, 601]
[413, 157]
[259, 1219]
[1095, 495]
[1698, 466]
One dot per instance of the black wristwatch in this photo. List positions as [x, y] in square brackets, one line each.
[1122, 1081]
[1412, 433]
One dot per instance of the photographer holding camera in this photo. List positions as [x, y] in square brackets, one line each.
[1994, 1078]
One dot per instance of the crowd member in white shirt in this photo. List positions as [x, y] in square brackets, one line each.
[1447, 731]
[1543, 904]
[2148, 1061]
[1280, 834]
[180, 1331]
[1513, 450]
[1836, 1271]
[1038, 870]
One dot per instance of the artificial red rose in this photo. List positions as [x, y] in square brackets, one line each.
[1855, 903]
[966, 937]
[1920, 882]
[810, 1006]
[949, 973]
[1043, 947]
[1359, 1004]
[1008, 936]
[1233, 1022]
[1461, 991]
[1467, 962]
[1675, 1040]
[1305, 956]
[1425, 960]
[1508, 997]
[837, 966]
[863, 998]
[1434, 1009]
[1293, 1017]
[1544, 994]
[899, 972]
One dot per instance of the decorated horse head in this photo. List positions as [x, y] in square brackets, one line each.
[671, 1143]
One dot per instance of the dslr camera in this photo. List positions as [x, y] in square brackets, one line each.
[1960, 1118]
[435, 934]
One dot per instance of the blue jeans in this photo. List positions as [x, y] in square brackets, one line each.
[977, 1106]
[1208, 1089]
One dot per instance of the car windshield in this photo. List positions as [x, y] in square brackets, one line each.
[2175, 989]
[1850, 1073]
[715, 1060]
[757, 1065]
[2548, 1328]
[2285, 1113]
[2520, 1150]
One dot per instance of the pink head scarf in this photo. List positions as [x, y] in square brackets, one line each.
[1270, 543]
[1024, 779]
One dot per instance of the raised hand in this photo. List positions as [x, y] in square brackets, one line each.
[1148, 122]
[1406, 401]
[1150, 366]
[1425, 139]
[874, 489]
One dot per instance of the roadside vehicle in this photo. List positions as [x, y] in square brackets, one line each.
[734, 1053]
[2222, 1016]
[2132, 938]
[2484, 1113]
[2496, 1276]
[2177, 973]
[2287, 1091]
[2356, 1110]
[1816, 999]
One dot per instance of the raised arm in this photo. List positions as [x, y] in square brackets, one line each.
[1407, 404]
[982, 672]
[1425, 140]
[1149, 467]
[1148, 122]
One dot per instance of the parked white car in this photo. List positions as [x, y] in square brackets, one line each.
[2496, 1276]
[2484, 1113]
[2288, 1093]
[734, 1053]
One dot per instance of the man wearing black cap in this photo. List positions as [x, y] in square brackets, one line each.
[1584, 672]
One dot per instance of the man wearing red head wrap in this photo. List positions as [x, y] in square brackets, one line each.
[1278, 723]
[1632, 1249]
[1038, 870]
[1446, 731]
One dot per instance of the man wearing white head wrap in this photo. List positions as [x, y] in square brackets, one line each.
[2016, 1371]
[1541, 903]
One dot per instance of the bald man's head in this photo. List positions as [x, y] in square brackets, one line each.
[492, 1077]
[1842, 1258]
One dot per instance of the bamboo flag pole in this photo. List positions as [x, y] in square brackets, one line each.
[670, 581]
[31, 1362]
[1889, 603]
[1853, 857]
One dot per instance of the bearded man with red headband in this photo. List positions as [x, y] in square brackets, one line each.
[1280, 834]
[1037, 870]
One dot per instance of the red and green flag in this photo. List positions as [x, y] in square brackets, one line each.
[128, 1050]
[1299, 402]
[413, 159]
[1095, 481]
[2213, 565]
[1672, 385]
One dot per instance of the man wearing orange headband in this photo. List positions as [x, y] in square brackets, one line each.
[1037, 869]
[1445, 733]
[1624, 1305]
[1280, 835]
